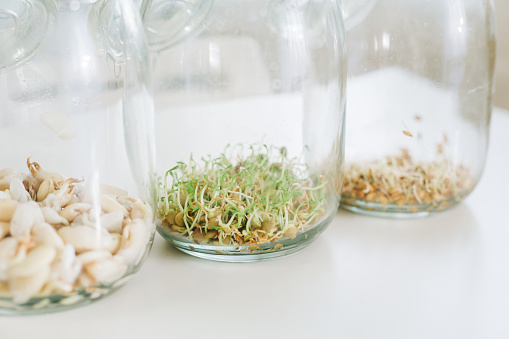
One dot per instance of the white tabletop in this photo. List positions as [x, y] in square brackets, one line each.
[445, 276]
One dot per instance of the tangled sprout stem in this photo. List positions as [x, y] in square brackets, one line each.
[252, 201]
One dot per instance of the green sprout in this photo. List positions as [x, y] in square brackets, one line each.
[257, 199]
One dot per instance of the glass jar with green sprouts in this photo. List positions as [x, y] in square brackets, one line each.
[249, 117]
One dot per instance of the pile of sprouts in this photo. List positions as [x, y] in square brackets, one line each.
[246, 199]
[400, 180]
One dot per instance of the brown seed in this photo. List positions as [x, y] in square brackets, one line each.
[213, 222]
[407, 133]
[255, 223]
[371, 197]
[199, 237]
[213, 214]
[277, 247]
[179, 219]
[165, 223]
[383, 199]
[211, 234]
[290, 232]
[446, 203]
[179, 229]
[253, 248]
[269, 226]
[426, 199]
[359, 194]
[399, 198]
[170, 217]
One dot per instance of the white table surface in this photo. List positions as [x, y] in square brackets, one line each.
[445, 276]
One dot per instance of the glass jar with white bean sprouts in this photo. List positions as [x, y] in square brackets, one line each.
[76, 192]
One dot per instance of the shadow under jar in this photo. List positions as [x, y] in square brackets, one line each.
[76, 172]
[249, 102]
[420, 79]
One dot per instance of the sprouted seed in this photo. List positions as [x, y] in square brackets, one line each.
[60, 242]
[406, 131]
[253, 200]
[402, 181]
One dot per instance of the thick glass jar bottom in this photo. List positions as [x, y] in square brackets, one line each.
[248, 252]
[58, 302]
[398, 211]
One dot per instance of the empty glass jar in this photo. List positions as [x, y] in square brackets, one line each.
[76, 152]
[419, 104]
[249, 102]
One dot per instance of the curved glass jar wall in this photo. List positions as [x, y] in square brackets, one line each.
[355, 11]
[419, 105]
[76, 157]
[249, 118]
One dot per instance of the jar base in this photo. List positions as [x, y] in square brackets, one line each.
[57, 302]
[396, 211]
[384, 213]
[40, 306]
[245, 253]
[238, 257]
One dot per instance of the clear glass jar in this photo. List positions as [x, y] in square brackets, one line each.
[355, 11]
[420, 82]
[76, 166]
[249, 106]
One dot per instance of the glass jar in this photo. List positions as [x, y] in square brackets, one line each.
[249, 108]
[354, 11]
[76, 166]
[420, 82]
